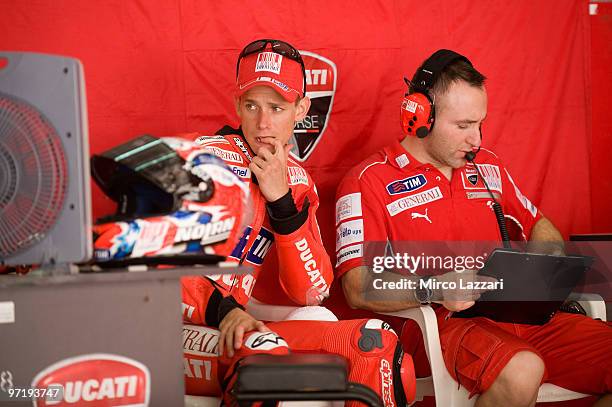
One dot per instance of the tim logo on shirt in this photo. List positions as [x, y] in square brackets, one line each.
[320, 88]
[406, 185]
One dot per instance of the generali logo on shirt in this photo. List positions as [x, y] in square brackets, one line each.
[97, 380]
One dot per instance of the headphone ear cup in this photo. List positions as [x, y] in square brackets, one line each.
[416, 115]
[422, 132]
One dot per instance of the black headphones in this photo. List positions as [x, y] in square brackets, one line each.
[418, 113]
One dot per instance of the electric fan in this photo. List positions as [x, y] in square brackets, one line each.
[45, 204]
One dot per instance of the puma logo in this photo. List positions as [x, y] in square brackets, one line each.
[418, 215]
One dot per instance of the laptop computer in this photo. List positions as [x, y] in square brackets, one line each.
[534, 286]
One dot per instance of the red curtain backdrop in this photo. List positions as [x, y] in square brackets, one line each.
[601, 164]
[167, 67]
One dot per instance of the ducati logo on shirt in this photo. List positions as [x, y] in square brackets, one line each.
[471, 173]
[406, 185]
[321, 76]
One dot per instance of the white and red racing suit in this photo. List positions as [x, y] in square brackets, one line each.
[291, 247]
[303, 273]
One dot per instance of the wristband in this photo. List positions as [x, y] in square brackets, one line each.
[285, 221]
[283, 207]
[227, 305]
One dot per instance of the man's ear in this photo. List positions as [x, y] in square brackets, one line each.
[302, 108]
[237, 104]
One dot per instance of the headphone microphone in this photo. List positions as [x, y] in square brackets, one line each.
[497, 209]
[472, 154]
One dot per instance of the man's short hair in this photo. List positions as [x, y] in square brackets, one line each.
[459, 70]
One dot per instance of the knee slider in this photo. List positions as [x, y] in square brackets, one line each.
[375, 334]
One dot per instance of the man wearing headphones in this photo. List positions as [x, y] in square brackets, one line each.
[428, 188]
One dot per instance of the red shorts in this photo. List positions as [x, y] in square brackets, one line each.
[576, 350]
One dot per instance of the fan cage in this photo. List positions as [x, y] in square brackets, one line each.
[34, 178]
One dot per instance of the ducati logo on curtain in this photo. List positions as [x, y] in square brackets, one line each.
[320, 88]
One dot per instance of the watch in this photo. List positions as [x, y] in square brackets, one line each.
[423, 293]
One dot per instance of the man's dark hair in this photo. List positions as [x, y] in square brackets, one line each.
[459, 70]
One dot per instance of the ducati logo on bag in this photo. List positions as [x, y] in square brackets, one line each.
[97, 379]
[321, 76]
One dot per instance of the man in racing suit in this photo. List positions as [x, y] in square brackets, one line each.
[270, 99]
[424, 188]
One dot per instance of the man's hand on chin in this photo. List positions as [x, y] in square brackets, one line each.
[270, 168]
